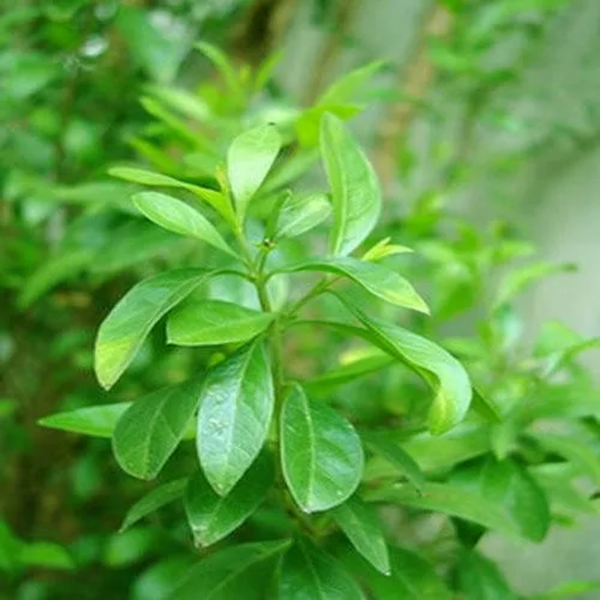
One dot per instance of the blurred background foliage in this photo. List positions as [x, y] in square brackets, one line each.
[482, 120]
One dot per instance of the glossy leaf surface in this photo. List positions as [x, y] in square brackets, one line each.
[234, 416]
[129, 322]
[213, 517]
[212, 322]
[355, 191]
[151, 429]
[321, 453]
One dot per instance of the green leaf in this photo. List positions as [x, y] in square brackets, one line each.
[130, 321]
[354, 187]
[478, 577]
[301, 213]
[411, 578]
[308, 572]
[569, 590]
[381, 444]
[518, 280]
[346, 89]
[440, 369]
[451, 500]
[234, 416]
[576, 451]
[213, 322]
[376, 279]
[213, 517]
[360, 523]
[176, 216]
[151, 429]
[45, 554]
[225, 67]
[97, 421]
[321, 454]
[145, 177]
[236, 572]
[249, 159]
[153, 500]
[348, 372]
[511, 486]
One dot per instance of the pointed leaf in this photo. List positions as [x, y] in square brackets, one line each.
[300, 214]
[439, 368]
[346, 89]
[354, 187]
[213, 517]
[177, 216]
[308, 572]
[235, 572]
[151, 429]
[152, 501]
[448, 499]
[234, 416]
[396, 455]
[130, 321]
[250, 157]
[376, 279]
[97, 421]
[144, 177]
[478, 577]
[360, 523]
[212, 322]
[321, 454]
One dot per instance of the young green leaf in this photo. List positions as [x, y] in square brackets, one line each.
[355, 191]
[439, 368]
[346, 89]
[360, 523]
[448, 499]
[157, 498]
[151, 429]
[212, 322]
[144, 177]
[130, 321]
[176, 216]
[213, 517]
[478, 577]
[376, 279]
[308, 572]
[97, 421]
[396, 455]
[235, 572]
[301, 213]
[321, 454]
[234, 416]
[250, 157]
[383, 249]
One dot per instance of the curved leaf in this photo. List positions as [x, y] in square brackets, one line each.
[355, 191]
[478, 577]
[212, 322]
[249, 159]
[130, 321]
[450, 500]
[151, 429]
[321, 454]
[376, 279]
[213, 517]
[97, 421]
[307, 572]
[439, 368]
[234, 416]
[178, 217]
[235, 572]
[152, 501]
[360, 524]
[300, 214]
